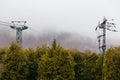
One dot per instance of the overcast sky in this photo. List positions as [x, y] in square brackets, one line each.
[76, 16]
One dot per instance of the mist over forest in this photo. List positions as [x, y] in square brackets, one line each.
[66, 39]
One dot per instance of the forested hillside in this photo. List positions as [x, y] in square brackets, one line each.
[57, 63]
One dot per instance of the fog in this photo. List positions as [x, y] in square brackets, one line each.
[33, 39]
[71, 22]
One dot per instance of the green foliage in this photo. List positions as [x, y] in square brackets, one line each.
[111, 68]
[34, 56]
[87, 66]
[54, 44]
[14, 64]
[2, 53]
[56, 64]
[41, 51]
[78, 58]
[32, 64]
[92, 69]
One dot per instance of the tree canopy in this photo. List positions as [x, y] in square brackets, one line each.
[57, 63]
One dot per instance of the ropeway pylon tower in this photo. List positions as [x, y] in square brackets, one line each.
[19, 26]
[105, 25]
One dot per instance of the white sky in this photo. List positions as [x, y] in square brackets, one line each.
[76, 16]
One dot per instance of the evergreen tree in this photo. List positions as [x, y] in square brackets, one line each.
[54, 44]
[78, 68]
[14, 64]
[32, 64]
[111, 68]
[56, 64]
[91, 67]
[34, 56]
[2, 51]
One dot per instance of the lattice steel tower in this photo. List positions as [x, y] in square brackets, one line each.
[105, 25]
[19, 26]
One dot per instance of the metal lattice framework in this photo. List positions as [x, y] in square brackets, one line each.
[19, 28]
[105, 25]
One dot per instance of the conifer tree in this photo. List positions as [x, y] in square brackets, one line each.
[54, 44]
[34, 56]
[91, 67]
[14, 64]
[32, 64]
[56, 64]
[111, 68]
[78, 68]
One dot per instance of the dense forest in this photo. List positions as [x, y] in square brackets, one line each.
[57, 63]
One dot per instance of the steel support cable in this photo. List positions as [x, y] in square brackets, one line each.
[13, 24]
[5, 22]
[89, 58]
[9, 24]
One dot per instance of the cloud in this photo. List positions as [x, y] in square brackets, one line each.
[66, 39]
[69, 40]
